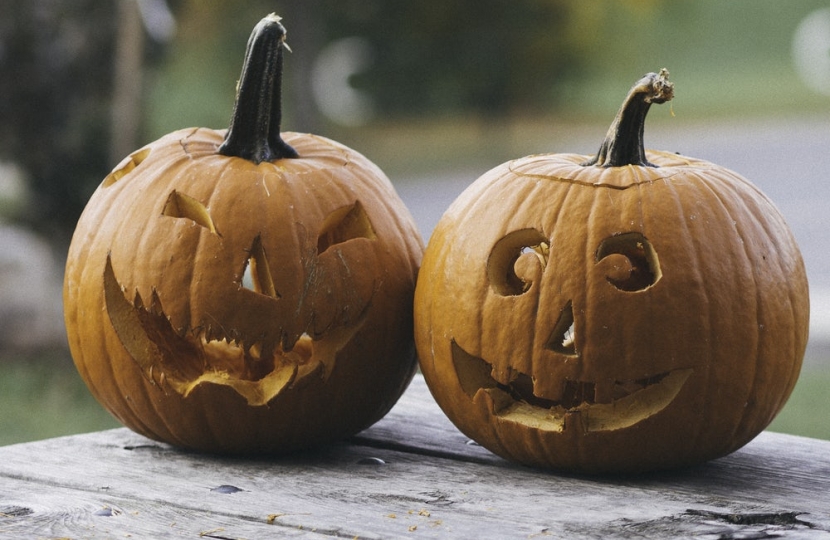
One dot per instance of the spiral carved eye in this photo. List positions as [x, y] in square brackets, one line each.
[515, 260]
[630, 260]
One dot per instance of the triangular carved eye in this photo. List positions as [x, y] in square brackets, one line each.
[344, 224]
[126, 166]
[180, 205]
[257, 275]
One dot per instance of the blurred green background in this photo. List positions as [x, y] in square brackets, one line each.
[430, 91]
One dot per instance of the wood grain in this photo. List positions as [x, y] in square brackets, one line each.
[411, 475]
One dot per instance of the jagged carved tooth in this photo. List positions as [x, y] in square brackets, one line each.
[155, 304]
[212, 333]
[220, 334]
[138, 302]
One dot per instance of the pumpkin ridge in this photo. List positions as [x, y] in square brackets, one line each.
[695, 431]
[753, 210]
[742, 193]
[755, 352]
[670, 175]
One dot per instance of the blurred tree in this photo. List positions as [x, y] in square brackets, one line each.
[487, 56]
[56, 83]
[305, 38]
[55, 78]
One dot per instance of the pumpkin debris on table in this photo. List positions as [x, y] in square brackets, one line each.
[633, 311]
[248, 291]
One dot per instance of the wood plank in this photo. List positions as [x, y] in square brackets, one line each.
[57, 512]
[417, 424]
[337, 494]
[411, 474]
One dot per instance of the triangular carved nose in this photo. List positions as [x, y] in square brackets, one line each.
[257, 275]
[562, 338]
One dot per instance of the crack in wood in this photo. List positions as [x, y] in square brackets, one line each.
[150, 447]
[14, 511]
[782, 519]
[369, 442]
[720, 525]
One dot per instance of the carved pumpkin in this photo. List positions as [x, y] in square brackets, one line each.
[635, 311]
[244, 292]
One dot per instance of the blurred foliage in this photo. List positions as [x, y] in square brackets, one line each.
[457, 60]
[461, 59]
[44, 397]
[55, 73]
[807, 412]
[490, 57]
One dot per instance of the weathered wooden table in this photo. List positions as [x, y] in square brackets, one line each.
[412, 475]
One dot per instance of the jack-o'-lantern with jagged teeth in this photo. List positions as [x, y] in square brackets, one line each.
[248, 291]
[627, 312]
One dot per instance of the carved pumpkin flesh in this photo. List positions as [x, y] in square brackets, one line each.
[641, 310]
[247, 291]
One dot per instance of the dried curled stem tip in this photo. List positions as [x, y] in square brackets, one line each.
[657, 87]
[273, 17]
[623, 144]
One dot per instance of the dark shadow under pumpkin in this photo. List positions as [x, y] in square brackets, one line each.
[593, 406]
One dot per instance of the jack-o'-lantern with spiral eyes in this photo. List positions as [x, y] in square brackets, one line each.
[248, 291]
[634, 311]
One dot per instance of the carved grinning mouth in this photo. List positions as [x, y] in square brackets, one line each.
[593, 406]
[257, 368]
[182, 360]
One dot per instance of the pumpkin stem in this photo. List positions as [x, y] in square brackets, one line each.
[623, 144]
[254, 133]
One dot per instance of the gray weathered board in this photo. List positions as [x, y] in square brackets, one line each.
[412, 475]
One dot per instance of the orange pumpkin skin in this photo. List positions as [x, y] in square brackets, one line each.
[611, 319]
[235, 306]
[353, 297]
